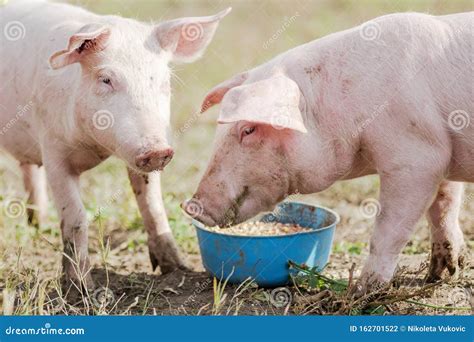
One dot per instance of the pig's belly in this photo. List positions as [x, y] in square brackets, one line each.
[19, 141]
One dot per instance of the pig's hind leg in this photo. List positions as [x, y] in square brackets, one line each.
[34, 179]
[446, 235]
[161, 245]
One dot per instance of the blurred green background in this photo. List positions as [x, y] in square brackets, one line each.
[252, 33]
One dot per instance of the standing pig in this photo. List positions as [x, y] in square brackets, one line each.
[396, 102]
[95, 86]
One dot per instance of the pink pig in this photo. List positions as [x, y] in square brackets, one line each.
[93, 86]
[391, 97]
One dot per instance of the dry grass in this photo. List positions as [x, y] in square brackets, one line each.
[406, 293]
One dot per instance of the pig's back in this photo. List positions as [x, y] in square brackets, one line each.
[423, 65]
[415, 48]
[426, 69]
[412, 67]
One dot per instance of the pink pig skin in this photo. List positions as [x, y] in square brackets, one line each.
[399, 105]
[76, 88]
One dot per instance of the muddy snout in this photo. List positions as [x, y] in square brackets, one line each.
[154, 159]
[195, 208]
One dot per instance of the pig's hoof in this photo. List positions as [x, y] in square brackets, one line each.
[165, 253]
[34, 219]
[445, 257]
[77, 281]
[76, 288]
[168, 263]
[368, 283]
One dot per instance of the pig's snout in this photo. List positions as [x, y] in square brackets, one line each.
[153, 160]
[195, 208]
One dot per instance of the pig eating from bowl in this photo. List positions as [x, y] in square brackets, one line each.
[398, 105]
[93, 86]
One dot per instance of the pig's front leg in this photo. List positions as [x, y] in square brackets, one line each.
[403, 200]
[64, 184]
[161, 245]
[446, 234]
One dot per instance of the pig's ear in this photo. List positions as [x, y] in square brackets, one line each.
[215, 95]
[90, 39]
[274, 101]
[187, 38]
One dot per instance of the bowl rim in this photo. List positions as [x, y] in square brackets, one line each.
[199, 225]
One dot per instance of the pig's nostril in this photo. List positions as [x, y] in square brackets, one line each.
[167, 154]
[142, 161]
[154, 159]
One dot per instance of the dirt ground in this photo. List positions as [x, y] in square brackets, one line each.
[192, 293]
[126, 285]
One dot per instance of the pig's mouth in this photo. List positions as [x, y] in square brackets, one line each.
[231, 215]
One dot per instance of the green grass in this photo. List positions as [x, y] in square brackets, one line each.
[354, 248]
[184, 234]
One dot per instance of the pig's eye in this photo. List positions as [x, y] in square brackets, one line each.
[105, 85]
[248, 130]
[105, 80]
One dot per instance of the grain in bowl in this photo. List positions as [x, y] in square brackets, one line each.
[261, 229]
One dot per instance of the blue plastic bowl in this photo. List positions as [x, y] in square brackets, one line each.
[265, 258]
